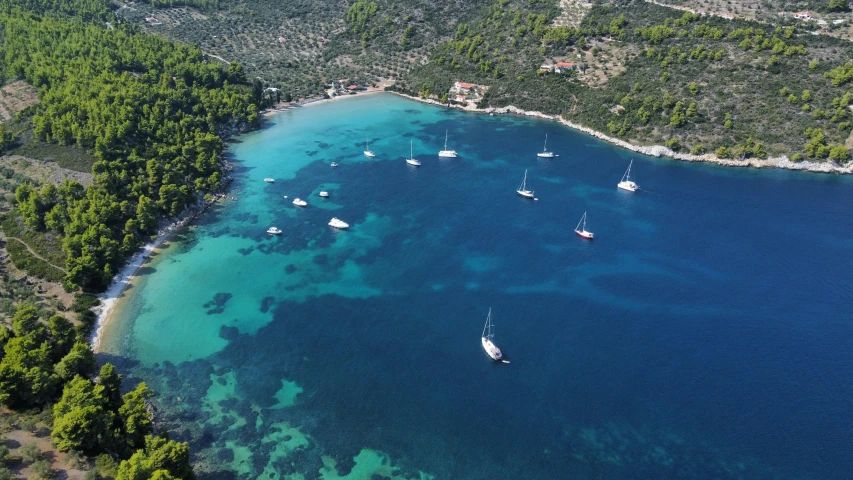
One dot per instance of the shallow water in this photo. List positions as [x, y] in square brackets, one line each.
[704, 333]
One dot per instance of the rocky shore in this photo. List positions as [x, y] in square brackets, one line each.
[660, 150]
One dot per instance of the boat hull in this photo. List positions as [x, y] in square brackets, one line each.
[324, 194]
[447, 154]
[545, 155]
[585, 234]
[413, 162]
[525, 193]
[628, 186]
[491, 349]
[369, 154]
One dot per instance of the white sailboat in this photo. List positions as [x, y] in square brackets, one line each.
[488, 340]
[626, 183]
[412, 160]
[269, 180]
[545, 153]
[581, 230]
[299, 202]
[367, 151]
[273, 231]
[333, 164]
[522, 189]
[447, 153]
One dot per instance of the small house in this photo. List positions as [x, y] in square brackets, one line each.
[463, 87]
[563, 67]
[460, 98]
[546, 68]
[804, 15]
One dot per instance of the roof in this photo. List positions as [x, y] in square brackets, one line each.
[806, 13]
[564, 64]
[465, 85]
[352, 87]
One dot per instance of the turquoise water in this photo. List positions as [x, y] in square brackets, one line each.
[704, 333]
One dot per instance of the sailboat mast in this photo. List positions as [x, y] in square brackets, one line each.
[445, 139]
[545, 147]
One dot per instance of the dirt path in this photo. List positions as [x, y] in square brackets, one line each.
[37, 255]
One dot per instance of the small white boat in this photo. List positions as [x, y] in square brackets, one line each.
[337, 223]
[273, 231]
[412, 160]
[324, 194]
[545, 153]
[522, 189]
[299, 202]
[581, 229]
[367, 151]
[626, 183]
[488, 340]
[334, 164]
[447, 153]
[269, 180]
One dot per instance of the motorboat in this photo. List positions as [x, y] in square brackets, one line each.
[273, 231]
[299, 202]
[338, 223]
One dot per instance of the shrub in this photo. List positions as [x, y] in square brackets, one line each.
[41, 470]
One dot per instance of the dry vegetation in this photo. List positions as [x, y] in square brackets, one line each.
[572, 13]
[777, 12]
[15, 97]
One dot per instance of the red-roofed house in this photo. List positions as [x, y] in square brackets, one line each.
[352, 88]
[804, 15]
[463, 87]
[561, 67]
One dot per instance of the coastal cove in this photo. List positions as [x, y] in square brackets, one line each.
[782, 162]
[702, 334]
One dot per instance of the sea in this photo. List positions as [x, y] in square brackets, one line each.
[705, 333]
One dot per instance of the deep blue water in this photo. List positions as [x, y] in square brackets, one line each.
[704, 333]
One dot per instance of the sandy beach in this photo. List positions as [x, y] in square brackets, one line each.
[318, 101]
[110, 298]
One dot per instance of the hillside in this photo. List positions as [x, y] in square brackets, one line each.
[301, 45]
[645, 73]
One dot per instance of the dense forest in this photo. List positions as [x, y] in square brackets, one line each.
[785, 91]
[153, 112]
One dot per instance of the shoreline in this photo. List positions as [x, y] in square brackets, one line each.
[656, 150]
[317, 101]
[125, 277]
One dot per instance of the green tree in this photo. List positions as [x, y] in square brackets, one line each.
[80, 419]
[159, 458]
[135, 416]
[111, 383]
[79, 361]
[837, 5]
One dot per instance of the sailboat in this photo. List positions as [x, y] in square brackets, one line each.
[545, 153]
[367, 151]
[488, 340]
[447, 153]
[626, 183]
[522, 189]
[581, 230]
[412, 160]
